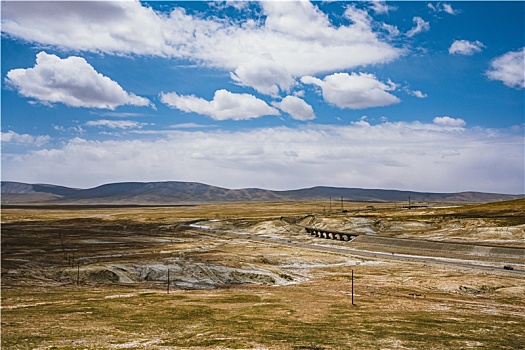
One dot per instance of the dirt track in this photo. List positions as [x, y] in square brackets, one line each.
[441, 249]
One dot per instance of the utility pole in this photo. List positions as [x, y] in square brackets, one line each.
[168, 288]
[341, 204]
[353, 288]
[330, 212]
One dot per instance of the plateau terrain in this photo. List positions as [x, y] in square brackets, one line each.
[248, 275]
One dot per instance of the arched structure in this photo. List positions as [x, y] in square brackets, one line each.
[329, 234]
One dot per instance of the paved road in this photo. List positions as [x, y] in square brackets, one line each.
[358, 252]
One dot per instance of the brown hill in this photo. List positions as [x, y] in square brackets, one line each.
[173, 192]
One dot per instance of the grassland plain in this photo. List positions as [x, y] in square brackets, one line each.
[97, 279]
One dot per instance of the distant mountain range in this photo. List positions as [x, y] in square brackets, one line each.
[173, 192]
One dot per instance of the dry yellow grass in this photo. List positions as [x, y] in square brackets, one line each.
[398, 304]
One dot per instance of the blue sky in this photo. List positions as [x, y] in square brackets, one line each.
[425, 96]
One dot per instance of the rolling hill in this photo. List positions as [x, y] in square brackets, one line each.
[173, 192]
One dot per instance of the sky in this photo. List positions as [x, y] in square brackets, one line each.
[409, 95]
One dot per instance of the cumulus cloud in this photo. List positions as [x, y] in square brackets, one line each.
[289, 30]
[509, 68]
[115, 124]
[97, 26]
[421, 26]
[362, 155]
[24, 139]
[354, 91]
[265, 77]
[296, 107]
[465, 47]
[71, 81]
[225, 105]
[448, 121]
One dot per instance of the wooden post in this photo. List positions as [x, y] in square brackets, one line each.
[78, 274]
[353, 288]
[168, 288]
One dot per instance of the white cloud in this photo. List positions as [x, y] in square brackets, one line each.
[417, 93]
[71, 81]
[12, 137]
[236, 4]
[443, 7]
[265, 77]
[225, 105]
[121, 114]
[372, 156]
[448, 121]
[509, 68]
[380, 6]
[354, 91]
[465, 47]
[421, 26]
[115, 124]
[392, 30]
[296, 107]
[71, 130]
[97, 26]
[448, 9]
[289, 30]
[190, 126]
